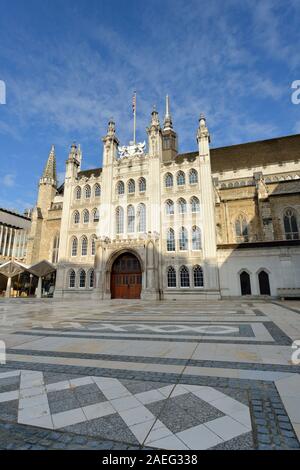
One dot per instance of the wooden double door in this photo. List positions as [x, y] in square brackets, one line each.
[126, 277]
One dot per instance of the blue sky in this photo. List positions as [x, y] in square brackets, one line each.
[69, 65]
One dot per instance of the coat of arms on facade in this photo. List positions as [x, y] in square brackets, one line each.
[132, 149]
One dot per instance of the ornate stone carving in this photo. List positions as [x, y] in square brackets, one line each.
[132, 150]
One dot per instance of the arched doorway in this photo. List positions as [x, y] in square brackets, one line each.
[126, 277]
[264, 283]
[245, 283]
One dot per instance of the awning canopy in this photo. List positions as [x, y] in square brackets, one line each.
[12, 268]
[42, 268]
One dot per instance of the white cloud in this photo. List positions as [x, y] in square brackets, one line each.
[269, 33]
[195, 54]
[8, 180]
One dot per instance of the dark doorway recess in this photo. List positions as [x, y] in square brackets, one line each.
[264, 283]
[126, 277]
[245, 283]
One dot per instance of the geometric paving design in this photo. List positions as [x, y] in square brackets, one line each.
[251, 332]
[205, 329]
[84, 374]
[169, 417]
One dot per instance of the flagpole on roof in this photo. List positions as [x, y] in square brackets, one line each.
[134, 117]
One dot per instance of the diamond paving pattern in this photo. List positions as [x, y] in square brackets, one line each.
[154, 414]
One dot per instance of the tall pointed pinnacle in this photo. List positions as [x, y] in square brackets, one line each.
[168, 120]
[111, 130]
[111, 133]
[155, 117]
[203, 132]
[74, 154]
[111, 144]
[49, 174]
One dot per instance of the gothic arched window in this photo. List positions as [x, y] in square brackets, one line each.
[119, 220]
[72, 279]
[97, 190]
[169, 205]
[131, 186]
[198, 276]
[183, 239]
[184, 277]
[78, 192]
[76, 217]
[130, 219]
[82, 278]
[170, 240]
[84, 246]
[87, 191]
[74, 246]
[86, 216]
[55, 248]
[193, 176]
[290, 225]
[241, 229]
[182, 207]
[96, 215]
[141, 218]
[120, 188]
[93, 245]
[171, 276]
[91, 278]
[195, 204]
[196, 238]
[169, 180]
[180, 178]
[142, 185]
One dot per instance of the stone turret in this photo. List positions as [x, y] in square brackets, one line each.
[111, 144]
[203, 138]
[47, 183]
[46, 193]
[49, 173]
[154, 134]
[73, 162]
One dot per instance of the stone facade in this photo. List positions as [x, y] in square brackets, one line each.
[195, 222]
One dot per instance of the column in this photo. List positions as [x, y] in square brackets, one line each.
[8, 287]
[208, 210]
[39, 288]
[22, 244]
[18, 254]
[5, 242]
[9, 242]
[13, 252]
[1, 236]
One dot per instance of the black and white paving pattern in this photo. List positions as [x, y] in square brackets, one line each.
[165, 375]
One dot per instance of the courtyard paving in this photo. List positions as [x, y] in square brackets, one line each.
[173, 375]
